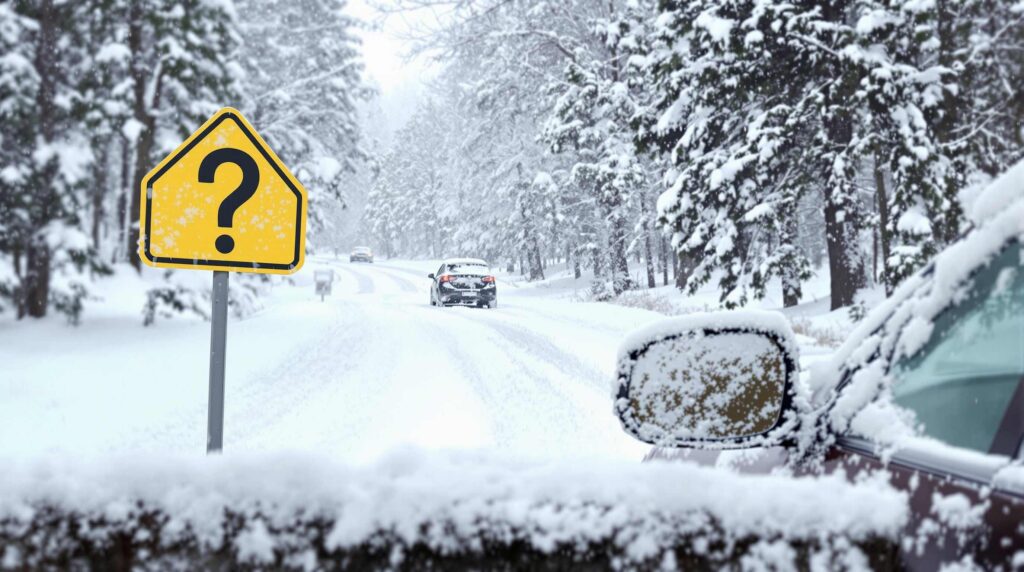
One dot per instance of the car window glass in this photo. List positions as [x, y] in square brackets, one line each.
[959, 385]
[468, 268]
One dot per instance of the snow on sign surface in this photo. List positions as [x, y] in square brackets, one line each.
[448, 502]
[223, 201]
[719, 376]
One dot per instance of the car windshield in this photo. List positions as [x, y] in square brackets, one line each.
[960, 384]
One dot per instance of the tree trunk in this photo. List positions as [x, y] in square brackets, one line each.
[683, 266]
[143, 110]
[536, 263]
[791, 287]
[882, 199]
[122, 199]
[664, 260]
[99, 190]
[618, 263]
[35, 283]
[675, 269]
[946, 124]
[846, 271]
[648, 251]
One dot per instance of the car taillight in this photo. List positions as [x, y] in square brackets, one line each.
[488, 279]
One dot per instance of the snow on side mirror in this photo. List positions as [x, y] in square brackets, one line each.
[719, 380]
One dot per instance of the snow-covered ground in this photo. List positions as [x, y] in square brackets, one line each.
[371, 368]
[382, 413]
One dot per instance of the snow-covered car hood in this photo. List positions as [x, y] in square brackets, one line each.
[854, 384]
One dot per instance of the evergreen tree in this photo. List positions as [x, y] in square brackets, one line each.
[303, 82]
[181, 70]
[45, 157]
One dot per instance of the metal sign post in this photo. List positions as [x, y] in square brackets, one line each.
[218, 347]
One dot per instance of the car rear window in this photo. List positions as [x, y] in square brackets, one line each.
[468, 269]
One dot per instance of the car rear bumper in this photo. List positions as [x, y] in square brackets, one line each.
[360, 258]
[463, 298]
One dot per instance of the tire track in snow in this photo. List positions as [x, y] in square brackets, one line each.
[405, 284]
[403, 270]
[544, 347]
[364, 282]
[532, 399]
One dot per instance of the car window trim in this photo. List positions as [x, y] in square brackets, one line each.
[935, 463]
[1009, 437]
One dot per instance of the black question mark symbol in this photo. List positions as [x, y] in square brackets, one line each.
[246, 189]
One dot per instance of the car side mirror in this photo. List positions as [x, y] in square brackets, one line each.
[718, 380]
[431, 275]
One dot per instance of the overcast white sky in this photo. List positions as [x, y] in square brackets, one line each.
[400, 82]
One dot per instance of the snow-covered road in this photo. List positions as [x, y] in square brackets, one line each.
[372, 368]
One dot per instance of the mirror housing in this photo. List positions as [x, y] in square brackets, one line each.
[719, 380]
[431, 275]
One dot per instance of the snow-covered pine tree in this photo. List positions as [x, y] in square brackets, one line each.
[303, 83]
[45, 157]
[502, 103]
[18, 84]
[531, 219]
[909, 94]
[181, 69]
[383, 210]
[944, 121]
[104, 106]
[737, 123]
[590, 121]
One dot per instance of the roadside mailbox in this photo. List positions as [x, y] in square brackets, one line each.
[323, 279]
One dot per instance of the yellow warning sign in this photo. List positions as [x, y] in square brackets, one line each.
[223, 201]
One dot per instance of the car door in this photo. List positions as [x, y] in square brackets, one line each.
[958, 506]
[964, 388]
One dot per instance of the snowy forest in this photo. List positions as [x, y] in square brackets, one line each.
[94, 92]
[737, 144]
[741, 144]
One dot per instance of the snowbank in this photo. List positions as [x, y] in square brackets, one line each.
[307, 512]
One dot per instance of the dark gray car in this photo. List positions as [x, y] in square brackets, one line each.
[463, 282]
